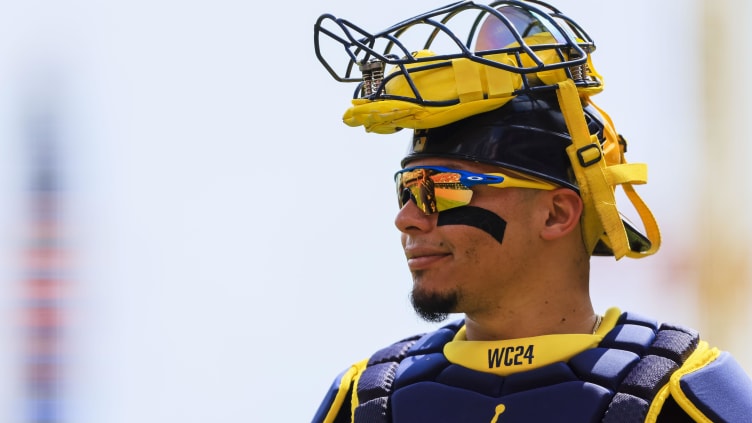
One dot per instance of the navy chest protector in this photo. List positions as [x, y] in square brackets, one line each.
[412, 381]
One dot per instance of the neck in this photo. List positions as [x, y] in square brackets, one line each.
[547, 306]
[523, 323]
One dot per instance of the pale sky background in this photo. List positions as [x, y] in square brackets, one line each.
[233, 242]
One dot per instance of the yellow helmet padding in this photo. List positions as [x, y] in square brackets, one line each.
[477, 87]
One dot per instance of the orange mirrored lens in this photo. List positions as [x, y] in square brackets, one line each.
[431, 190]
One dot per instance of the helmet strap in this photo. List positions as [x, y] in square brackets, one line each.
[597, 180]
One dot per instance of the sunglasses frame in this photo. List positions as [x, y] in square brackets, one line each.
[467, 180]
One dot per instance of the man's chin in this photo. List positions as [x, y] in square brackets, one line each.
[433, 307]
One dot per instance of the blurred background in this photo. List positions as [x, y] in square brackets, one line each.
[182, 237]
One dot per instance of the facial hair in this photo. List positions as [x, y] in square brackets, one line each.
[435, 307]
[432, 306]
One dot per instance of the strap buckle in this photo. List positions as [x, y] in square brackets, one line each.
[588, 158]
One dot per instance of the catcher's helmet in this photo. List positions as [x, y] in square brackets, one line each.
[507, 83]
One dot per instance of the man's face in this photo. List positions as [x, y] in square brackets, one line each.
[468, 259]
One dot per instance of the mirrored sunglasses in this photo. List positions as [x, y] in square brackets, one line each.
[436, 188]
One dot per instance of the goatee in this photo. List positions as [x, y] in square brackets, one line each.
[433, 307]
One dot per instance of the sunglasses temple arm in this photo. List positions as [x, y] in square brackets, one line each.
[521, 183]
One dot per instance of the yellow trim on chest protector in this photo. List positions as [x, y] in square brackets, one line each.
[517, 355]
[510, 356]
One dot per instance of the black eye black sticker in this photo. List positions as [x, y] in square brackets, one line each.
[477, 217]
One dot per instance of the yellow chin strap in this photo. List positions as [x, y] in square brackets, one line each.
[597, 179]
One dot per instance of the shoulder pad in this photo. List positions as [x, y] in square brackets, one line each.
[719, 391]
[338, 393]
[328, 403]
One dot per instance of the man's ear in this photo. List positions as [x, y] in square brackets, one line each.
[565, 210]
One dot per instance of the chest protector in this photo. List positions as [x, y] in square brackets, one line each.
[412, 380]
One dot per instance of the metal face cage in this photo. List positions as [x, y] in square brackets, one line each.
[532, 36]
